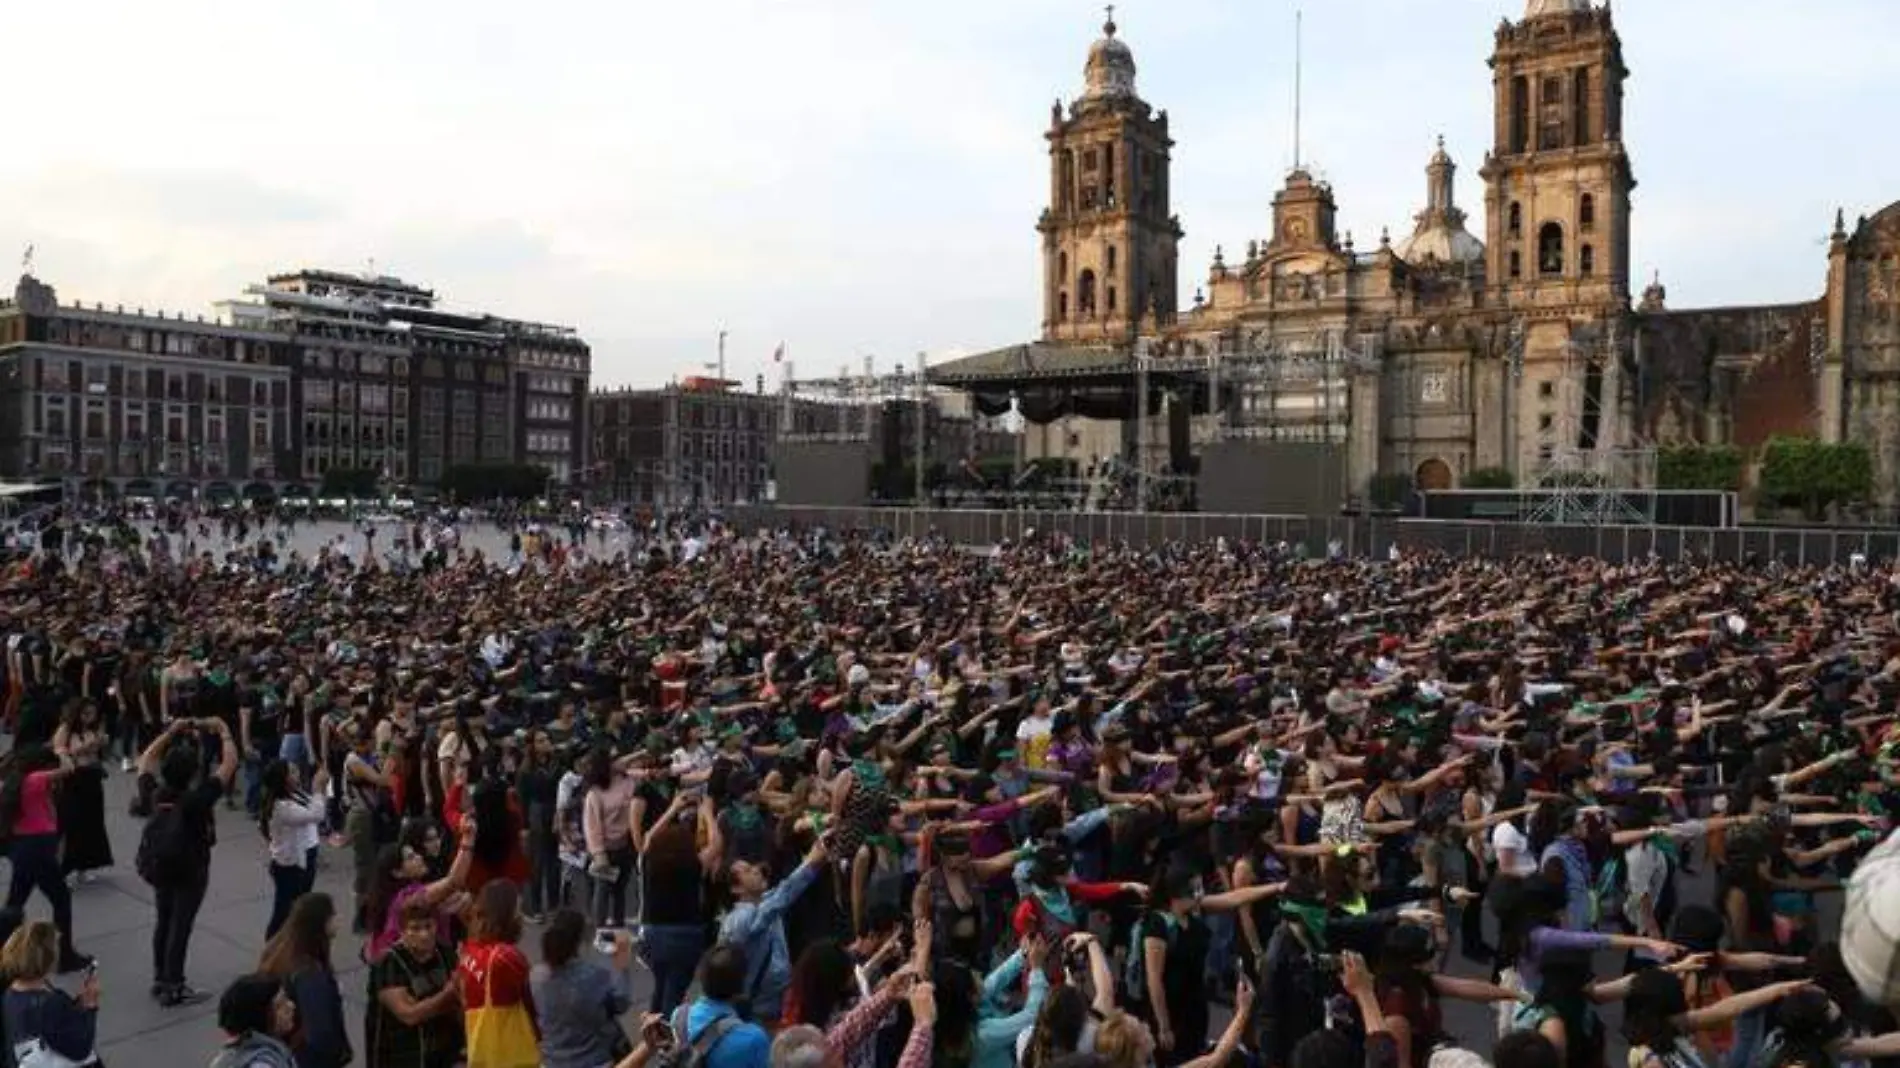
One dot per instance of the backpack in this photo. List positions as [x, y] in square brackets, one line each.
[167, 847]
[693, 1054]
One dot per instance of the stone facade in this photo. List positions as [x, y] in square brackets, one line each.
[1860, 370]
[1108, 240]
[1439, 354]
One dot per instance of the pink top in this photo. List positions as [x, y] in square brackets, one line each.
[605, 817]
[36, 815]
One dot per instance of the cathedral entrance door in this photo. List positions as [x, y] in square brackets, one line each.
[1433, 474]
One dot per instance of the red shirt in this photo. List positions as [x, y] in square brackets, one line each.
[493, 970]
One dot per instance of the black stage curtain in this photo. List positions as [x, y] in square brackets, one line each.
[1048, 403]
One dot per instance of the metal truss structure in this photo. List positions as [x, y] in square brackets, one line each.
[1262, 369]
[859, 399]
[1579, 478]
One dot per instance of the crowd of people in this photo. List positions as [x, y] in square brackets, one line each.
[847, 800]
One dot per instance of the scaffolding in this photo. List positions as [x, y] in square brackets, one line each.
[1586, 465]
[1266, 368]
[861, 402]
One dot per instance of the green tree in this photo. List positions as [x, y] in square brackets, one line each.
[350, 483]
[1815, 476]
[1699, 467]
[1490, 478]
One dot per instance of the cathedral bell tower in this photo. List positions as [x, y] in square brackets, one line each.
[1557, 179]
[1108, 239]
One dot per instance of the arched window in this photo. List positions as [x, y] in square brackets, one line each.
[1514, 226]
[1587, 213]
[1550, 249]
[1517, 264]
[1062, 265]
[1586, 260]
[1111, 260]
[1085, 294]
[1062, 306]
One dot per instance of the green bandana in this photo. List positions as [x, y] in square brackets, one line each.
[1313, 917]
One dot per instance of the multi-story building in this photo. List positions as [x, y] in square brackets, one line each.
[397, 384]
[116, 401]
[350, 374]
[317, 371]
[696, 442]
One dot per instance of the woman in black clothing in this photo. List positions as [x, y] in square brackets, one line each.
[81, 738]
[537, 786]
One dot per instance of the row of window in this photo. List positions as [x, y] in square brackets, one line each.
[1586, 217]
[322, 393]
[543, 441]
[55, 417]
[1556, 122]
[156, 342]
[746, 417]
[1550, 255]
[375, 435]
[364, 363]
[51, 458]
[550, 384]
[57, 376]
[723, 448]
[1095, 186]
[560, 361]
[256, 351]
[393, 465]
[553, 411]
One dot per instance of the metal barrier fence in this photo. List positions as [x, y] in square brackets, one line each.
[1355, 535]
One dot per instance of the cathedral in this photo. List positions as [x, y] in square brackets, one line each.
[1509, 337]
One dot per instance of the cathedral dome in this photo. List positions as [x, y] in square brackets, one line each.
[1441, 244]
[1440, 236]
[1110, 71]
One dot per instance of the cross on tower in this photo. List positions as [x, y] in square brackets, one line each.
[1110, 27]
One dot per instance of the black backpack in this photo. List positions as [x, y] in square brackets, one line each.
[167, 848]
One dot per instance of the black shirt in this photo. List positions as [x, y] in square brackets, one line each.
[267, 721]
[200, 804]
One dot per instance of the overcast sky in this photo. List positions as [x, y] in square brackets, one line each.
[850, 176]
